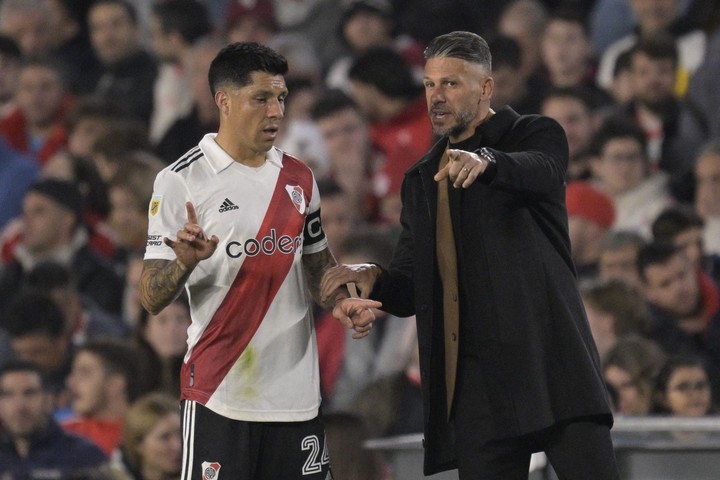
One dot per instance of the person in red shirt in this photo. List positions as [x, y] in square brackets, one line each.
[102, 383]
[383, 86]
[36, 126]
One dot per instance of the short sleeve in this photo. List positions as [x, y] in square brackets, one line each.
[166, 214]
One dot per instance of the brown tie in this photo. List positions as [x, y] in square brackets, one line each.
[447, 265]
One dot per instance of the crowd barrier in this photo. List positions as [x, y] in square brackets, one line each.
[647, 448]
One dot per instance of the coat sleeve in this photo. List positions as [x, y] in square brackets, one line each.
[394, 287]
[536, 159]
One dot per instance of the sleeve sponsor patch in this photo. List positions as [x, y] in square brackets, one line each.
[155, 204]
[154, 240]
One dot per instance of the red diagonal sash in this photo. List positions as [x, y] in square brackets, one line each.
[247, 301]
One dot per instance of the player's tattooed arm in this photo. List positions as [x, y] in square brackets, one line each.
[161, 281]
[315, 266]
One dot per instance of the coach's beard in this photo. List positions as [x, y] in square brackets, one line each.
[462, 122]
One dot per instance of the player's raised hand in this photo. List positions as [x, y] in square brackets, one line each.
[192, 244]
[356, 313]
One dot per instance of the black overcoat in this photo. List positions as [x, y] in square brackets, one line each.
[518, 293]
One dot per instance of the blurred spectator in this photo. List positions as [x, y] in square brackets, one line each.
[250, 21]
[176, 26]
[511, 87]
[524, 21]
[630, 368]
[315, 20]
[122, 138]
[153, 441]
[102, 384]
[17, 173]
[707, 194]
[349, 458]
[674, 130]
[85, 320]
[129, 192]
[685, 311]
[683, 227]
[590, 216]
[426, 19]
[9, 69]
[610, 20]
[337, 219]
[366, 24]
[36, 126]
[53, 230]
[567, 54]
[351, 155]
[96, 206]
[572, 109]
[162, 338]
[89, 118]
[129, 72]
[683, 388]
[392, 405]
[203, 117]
[132, 308]
[615, 309]
[300, 136]
[621, 169]
[703, 84]
[32, 444]
[28, 23]
[654, 17]
[618, 256]
[389, 350]
[621, 87]
[39, 334]
[71, 44]
[387, 93]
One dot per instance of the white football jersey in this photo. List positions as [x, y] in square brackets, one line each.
[252, 353]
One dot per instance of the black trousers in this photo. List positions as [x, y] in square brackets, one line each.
[580, 449]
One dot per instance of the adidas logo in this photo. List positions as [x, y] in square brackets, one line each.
[228, 205]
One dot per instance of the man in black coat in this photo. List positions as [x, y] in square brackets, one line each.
[528, 376]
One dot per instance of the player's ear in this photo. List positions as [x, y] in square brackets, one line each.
[222, 100]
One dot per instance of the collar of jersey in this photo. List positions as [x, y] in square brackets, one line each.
[219, 160]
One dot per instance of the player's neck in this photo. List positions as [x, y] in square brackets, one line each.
[241, 154]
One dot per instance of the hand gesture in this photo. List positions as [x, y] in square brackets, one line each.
[363, 275]
[192, 245]
[462, 168]
[356, 313]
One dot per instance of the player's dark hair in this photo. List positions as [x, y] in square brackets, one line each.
[235, 63]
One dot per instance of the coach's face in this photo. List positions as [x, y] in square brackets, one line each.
[254, 112]
[458, 96]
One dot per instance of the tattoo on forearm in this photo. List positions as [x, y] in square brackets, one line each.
[315, 265]
[160, 283]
